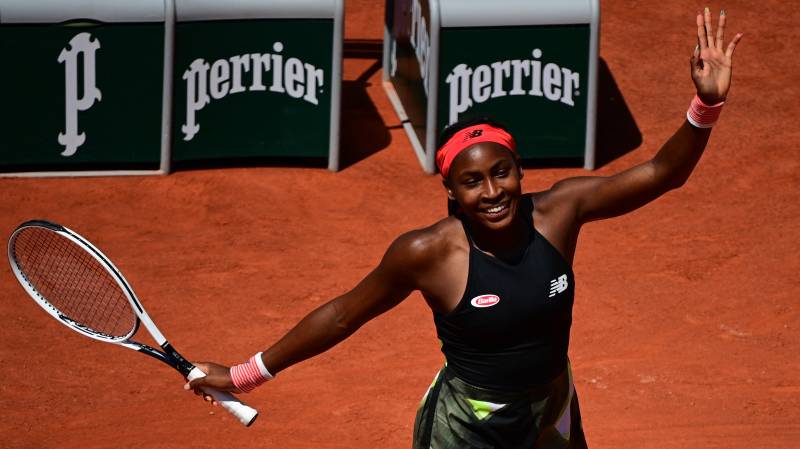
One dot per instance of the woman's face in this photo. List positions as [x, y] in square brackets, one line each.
[485, 181]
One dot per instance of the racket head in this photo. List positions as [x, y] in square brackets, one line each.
[73, 281]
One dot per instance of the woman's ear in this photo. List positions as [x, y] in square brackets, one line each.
[518, 160]
[447, 188]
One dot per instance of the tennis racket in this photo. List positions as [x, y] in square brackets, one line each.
[76, 283]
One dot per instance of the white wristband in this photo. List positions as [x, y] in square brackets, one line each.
[263, 368]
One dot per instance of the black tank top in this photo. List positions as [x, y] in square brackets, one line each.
[510, 331]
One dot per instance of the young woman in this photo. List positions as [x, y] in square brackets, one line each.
[497, 275]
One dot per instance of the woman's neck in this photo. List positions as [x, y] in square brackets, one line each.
[508, 244]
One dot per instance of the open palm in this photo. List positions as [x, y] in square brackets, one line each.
[711, 62]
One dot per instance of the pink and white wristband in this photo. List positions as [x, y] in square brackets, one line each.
[701, 115]
[250, 374]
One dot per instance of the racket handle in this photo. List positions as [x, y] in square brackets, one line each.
[237, 408]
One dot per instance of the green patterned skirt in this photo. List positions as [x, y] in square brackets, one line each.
[454, 414]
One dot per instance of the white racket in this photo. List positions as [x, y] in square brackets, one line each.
[76, 284]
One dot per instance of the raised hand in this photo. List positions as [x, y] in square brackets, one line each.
[711, 61]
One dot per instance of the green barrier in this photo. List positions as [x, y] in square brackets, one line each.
[530, 65]
[82, 87]
[257, 80]
[108, 87]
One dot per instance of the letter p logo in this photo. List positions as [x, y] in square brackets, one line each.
[80, 44]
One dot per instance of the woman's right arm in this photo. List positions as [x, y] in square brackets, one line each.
[396, 276]
[382, 289]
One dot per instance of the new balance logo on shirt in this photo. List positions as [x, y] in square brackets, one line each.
[558, 285]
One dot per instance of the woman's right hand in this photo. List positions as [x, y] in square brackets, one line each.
[217, 377]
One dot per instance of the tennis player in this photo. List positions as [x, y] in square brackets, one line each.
[497, 275]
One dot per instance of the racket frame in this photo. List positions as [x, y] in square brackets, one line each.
[170, 356]
[104, 262]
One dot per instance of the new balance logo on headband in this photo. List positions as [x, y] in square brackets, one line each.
[558, 285]
[472, 134]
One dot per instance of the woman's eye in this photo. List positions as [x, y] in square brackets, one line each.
[502, 173]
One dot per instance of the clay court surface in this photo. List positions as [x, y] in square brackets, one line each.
[686, 320]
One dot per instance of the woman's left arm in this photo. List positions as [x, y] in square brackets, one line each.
[595, 197]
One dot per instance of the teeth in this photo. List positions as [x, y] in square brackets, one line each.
[495, 210]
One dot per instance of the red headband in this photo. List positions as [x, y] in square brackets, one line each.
[466, 138]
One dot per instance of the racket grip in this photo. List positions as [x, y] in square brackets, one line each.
[237, 408]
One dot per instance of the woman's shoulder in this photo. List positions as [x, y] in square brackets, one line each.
[546, 201]
[541, 199]
[431, 243]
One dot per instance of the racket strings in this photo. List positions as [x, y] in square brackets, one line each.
[73, 282]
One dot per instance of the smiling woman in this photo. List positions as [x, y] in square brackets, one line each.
[507, 371]
[497, 275]
[469, 137]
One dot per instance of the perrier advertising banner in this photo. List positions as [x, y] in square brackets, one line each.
[81, 96]
[252, 88]
[533, 79]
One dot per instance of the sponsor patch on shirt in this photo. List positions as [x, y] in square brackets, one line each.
[485, 301]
